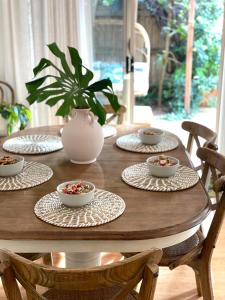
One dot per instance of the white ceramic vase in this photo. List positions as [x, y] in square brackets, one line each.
[82, 137]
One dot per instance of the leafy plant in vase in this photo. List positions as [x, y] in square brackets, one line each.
[15, 116]
[82, 136]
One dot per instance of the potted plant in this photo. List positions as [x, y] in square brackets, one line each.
[14, 117]
[82, 136]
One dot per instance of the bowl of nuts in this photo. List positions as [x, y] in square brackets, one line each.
[76, 193]
[150, 136]
[162, 166]
[11, 165]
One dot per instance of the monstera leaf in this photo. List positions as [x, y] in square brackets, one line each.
[71, 86]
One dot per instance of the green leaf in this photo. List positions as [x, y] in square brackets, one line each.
[5, 114]
[92, 105]
[86, 78]
[9, 129]
[58, 53]
[113, 100]
[34, 84]
[52, 101]
[83, 79]
[65, 108]
[42, 95]
[32, 98]
[55, 85]
[100, 85]
[80, 101]
[77, 63]
[75, 57]
[100, 113]
[97, 108]
[25, 112]
[44, 63]
[46, 94]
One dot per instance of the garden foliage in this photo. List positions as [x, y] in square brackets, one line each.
[206, 51]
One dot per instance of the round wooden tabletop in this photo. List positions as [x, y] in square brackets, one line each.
[148, 215]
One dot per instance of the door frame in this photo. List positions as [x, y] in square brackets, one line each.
[130, 17]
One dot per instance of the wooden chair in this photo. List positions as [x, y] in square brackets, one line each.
[197, 131]
[119, 115]
[196, 252]
[6, 86]
[115, 281]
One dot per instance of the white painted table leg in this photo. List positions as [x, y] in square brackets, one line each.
[82, 259]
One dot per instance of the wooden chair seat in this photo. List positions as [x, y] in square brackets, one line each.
[100, 294]
[170, 254]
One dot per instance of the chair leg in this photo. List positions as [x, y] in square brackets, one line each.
[206, 281]
[10, 285]
[198, 283]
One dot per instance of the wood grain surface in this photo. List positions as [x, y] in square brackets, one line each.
[147, 215]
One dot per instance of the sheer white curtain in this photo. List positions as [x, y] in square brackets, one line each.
[27, 26]
[221, 102]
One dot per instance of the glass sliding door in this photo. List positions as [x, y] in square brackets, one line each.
[108, 35]
[129, 48]
[113, 47]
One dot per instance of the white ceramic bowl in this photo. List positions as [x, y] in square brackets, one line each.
[13, 169]
[76, 200]
[151, 139]
[162, 171]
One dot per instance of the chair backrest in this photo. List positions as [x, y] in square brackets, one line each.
[216, 163]
[125, 273]
[6, 85]
[197, 131]
[119, 115]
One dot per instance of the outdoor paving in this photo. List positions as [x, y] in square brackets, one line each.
[205, 116]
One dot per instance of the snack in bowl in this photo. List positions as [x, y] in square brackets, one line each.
[162, 166]
[76, 193]
[150, 136]
[11, 165]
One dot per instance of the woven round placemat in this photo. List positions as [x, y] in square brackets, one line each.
[33, 144]
[104, 208]
[132, 142]
[33, 174]
[139, 176]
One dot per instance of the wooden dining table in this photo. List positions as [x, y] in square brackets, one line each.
[151, 219]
